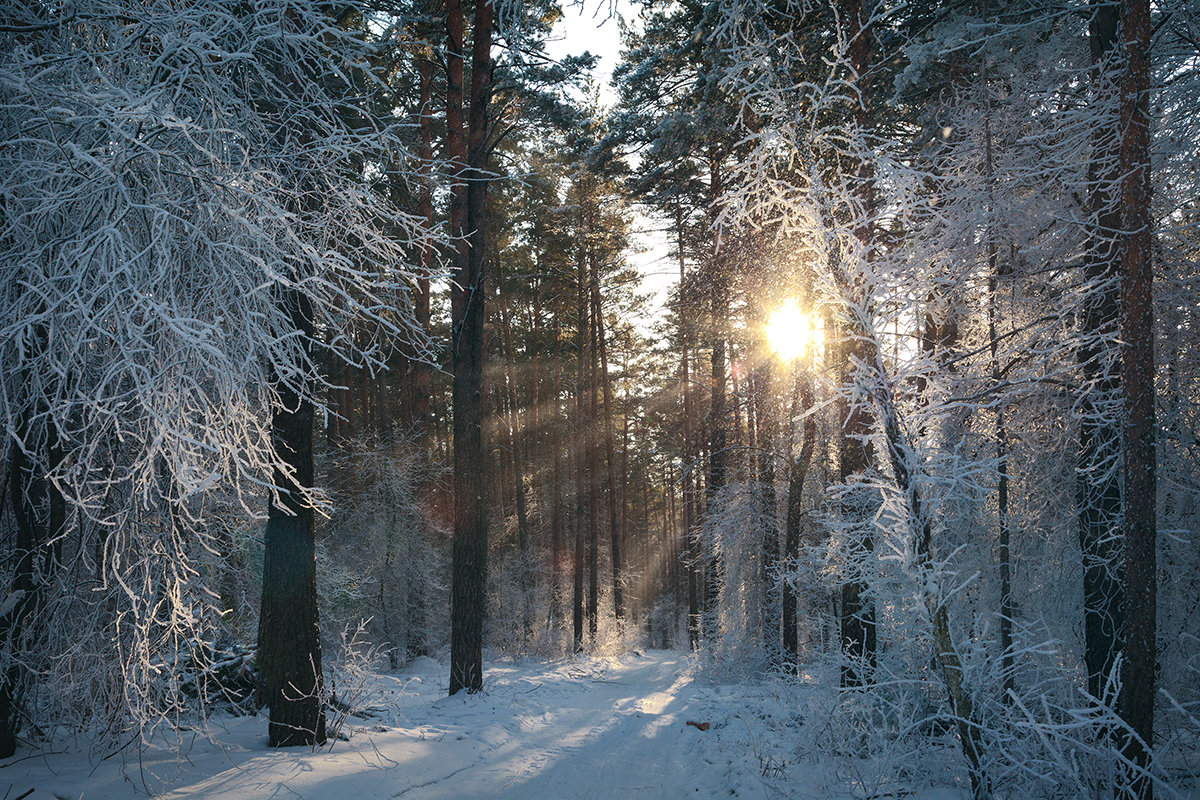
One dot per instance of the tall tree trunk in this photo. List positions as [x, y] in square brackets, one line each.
[534, 429]
[764, 434]
[593, 449]
[798, 471]
[556, 520]
[1138, 673]
[418, 419]
[691, 535]
[1003, 556]
[718, 412]
[857, 617]
[289, 635]
[341, 414]
[671, 534]
[858, 608]
[468, 591]
[422, 371]
[514, 436]
[583, 344]
[627, 548]
[1098, 488]
[614, 520]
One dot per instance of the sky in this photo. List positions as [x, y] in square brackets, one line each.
[593, 27]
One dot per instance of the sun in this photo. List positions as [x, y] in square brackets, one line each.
[790, 332]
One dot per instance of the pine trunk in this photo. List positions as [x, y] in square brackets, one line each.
[289, 636]
[858, 608]
[422, 371]
[614, 519]
[1098, 488]
[582, 342]
[468, 592]
[718, 412]
[1138, 668]
[798, 472]
[593, 451]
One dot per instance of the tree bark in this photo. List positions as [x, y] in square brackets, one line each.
[764, 440]
[718, 412]
[857, 618]
[1098, 489]
[858, 608]
[556, 521]
[798, 472]
[593, 450]
[422, 372]
[1138, 673]
[691, 547]
[524, 545]
[995, 270]
[289, 635]
[468, 592]
[583, 344]
[614, 520]
[626, 547]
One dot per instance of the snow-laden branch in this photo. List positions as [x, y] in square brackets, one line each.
[163, 184]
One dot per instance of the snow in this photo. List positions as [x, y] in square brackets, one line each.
[613, 727]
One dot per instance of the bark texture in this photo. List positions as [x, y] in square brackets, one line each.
[468, 591]
[1138, 673]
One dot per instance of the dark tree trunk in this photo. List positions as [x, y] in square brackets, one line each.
[468, 591]
[798, 472]
[593, 450]
[614, 520]
[556, 520]
[718, 413]
[524, 546]
[764, 436]
[338, 429]
[534, 428]
[1002, 512]
[418, 417]
[422, 371]
[691, 536]
[626, 547]
[1138, 673]
[289, 635]
[858, 608]
[995, 271]
[583, 344]
[1098, 488]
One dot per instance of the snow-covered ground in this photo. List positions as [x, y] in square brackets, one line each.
[602, 728]
[582, 728]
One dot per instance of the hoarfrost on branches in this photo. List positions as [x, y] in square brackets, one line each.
[167, 173]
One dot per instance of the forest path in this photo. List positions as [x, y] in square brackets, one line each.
[612, 727]
[604, 728]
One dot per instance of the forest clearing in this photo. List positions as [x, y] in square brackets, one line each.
[751, 398]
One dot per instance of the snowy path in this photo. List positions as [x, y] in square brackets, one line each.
[599, 728]
[615, 732]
